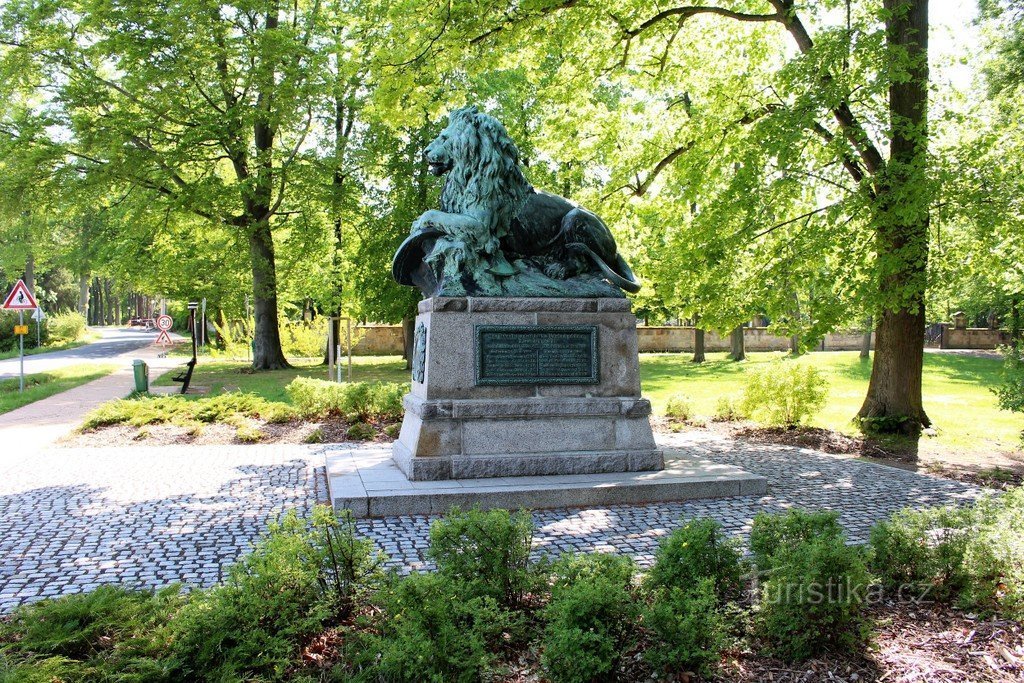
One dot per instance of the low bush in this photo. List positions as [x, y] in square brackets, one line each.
[774, 536]
[228, 408]
[590, 624]
[728, 409]
[698, 550]
[687, 629]
[316, 398]
[922, 551]
[361, 431]
[994, 556]
[65, 327]
[297, 577]
[784, 394]
[108, 634]
[430, 631]
[573, 567]
[679, 407]
[488, 552]
[814, 599]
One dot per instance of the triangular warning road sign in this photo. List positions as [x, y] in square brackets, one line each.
[20, 299]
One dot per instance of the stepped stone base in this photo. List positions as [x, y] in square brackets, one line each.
[461, 424]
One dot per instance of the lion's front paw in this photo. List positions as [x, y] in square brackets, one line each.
[555, 271]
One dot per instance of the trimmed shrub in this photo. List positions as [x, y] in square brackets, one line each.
[679, 408]
[589, 624]
[922, 550]
[698, 550]
[774, 536]
[229, 408]
[688, 630]
[488, 552]
[814, 598]
[784, 394]
[430, 631]
[356, 401]
[361, 431]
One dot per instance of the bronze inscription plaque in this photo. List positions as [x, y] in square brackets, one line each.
[527, 354]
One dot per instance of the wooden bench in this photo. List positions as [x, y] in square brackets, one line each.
[185, 376]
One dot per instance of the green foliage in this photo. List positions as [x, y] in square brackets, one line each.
[727, 409]
[994, 557]
[361, 431]
[784, 394]
[773, 537]
[228, 408]
[365, 400]
[487, 552]
[814, 599]
[295, 578]
[921, 552]
[972, 554]
[109, 633]
[65, 327]
[590, 623]
[1011, 391]
[687, 627]
[679, 407]
[573, 567]
[698, 550]
[430, 631]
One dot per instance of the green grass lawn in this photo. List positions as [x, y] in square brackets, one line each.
[221, 375]
[44, 384]
[956, 390]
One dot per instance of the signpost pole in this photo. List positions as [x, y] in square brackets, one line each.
[330, 349]
[348, 322]
[21, 347]
[38, 322]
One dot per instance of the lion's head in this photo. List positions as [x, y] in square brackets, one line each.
[482, 163]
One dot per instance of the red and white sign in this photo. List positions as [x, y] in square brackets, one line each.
[20, 299]
[164, 324]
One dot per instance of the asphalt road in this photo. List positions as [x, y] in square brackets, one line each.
[114, 342]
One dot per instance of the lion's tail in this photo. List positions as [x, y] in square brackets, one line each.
[621, 276]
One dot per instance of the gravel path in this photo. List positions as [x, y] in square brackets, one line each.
[72, 519]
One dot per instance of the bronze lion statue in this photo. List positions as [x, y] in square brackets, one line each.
[495, 235]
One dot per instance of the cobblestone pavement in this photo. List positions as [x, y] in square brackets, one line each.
[71, 519]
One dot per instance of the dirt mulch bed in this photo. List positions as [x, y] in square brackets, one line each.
[330, 431]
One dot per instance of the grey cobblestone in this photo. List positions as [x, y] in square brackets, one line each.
[73, 519]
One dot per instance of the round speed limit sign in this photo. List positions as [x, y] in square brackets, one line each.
[164, 322]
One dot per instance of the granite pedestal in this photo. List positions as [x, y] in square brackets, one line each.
[510, 387]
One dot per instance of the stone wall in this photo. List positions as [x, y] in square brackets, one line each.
[378, 340]
[386, 340]
[681, 339]
[972, 338]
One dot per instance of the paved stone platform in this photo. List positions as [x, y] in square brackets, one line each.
[72, 519]
[370, 484]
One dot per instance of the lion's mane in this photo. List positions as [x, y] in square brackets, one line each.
[485, 180]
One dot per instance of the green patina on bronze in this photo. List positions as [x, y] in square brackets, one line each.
[495, 235]
[527, 354]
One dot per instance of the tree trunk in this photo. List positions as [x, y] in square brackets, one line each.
[738, 349]
[83, 294]
[893, 401]
[30, 274]
[1015, 332]
[865, 342]
[698, 345]
[108, 312]
[267, 353]
[408, 334]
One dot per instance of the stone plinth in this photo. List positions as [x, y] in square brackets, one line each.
[462, 421]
